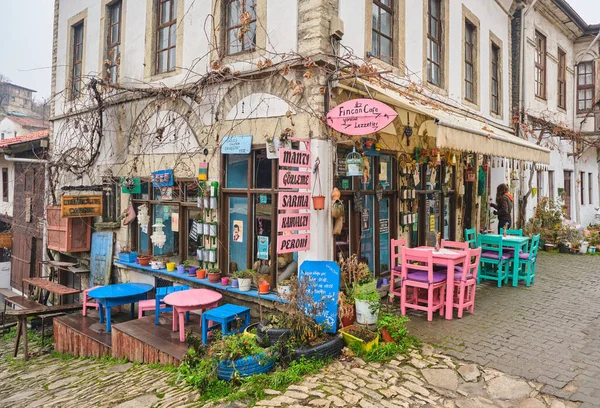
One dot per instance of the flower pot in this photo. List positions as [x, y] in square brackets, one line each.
[144, 260]
[128, 257]
[319, 202]
[385, 335]
[244, 367]
[181, 268]
[192, 270]
[574, 251]
[235, 283]
[363, 312]
[171, 266]
[225, 281]
[269, 336]
[349, 320]
[549, 247]
[350, 337]
[201, 273]
[245, 284]
[584, 247]
[592, 250]
[214, 277]
[263, 288]
[157, 264]
[283, 290]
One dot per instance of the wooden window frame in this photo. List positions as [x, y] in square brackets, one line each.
[228, 28]
[434, 40]
[76, 80]
[5, 184]
[590, 188]
[470, 60]
[377, 34]
[581, 186]
[170, 48]
[585, 87]
[540, 65]
[495, 78]
[113, 45]
[562, 79]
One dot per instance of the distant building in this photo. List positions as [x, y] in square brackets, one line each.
[15, 98]
[18, 125]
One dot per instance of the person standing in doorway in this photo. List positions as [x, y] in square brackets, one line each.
[503, 206]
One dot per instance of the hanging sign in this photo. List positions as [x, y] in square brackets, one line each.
[131, 185]
[293, 243]
[236, 144]
[323, 287]
[294, 201]
[294, 158]
[263, 247]
[294, 179]
[358, 117]
[162, 178]
[293, 222]
[81, 206]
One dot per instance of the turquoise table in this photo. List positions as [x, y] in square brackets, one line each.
[518, 244]
[117, 295]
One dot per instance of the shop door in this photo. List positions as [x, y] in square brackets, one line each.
[566, 194]
[437, 212]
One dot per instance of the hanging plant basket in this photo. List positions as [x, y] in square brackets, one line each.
[319, 202]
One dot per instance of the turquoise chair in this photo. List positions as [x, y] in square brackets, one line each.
[471, 237]
[513, 232]
[527, 263]
[494, 263]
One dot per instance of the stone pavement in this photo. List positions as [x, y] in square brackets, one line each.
[549, 333]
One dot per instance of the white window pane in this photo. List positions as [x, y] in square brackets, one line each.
[435, 53]
[114, 34]
[173, 35]
[588, 79]
[115, 14]
[163, 38]
[234, 14]
[250, 37]
[172, 56]
[174, 8]
[235, 45]
[433, 26]
[386, 49]
[165, 14]
[374, 46]
[162, 61]
[386, 23]
[375, 17]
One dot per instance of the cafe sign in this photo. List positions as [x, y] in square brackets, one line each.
[294, 179]
[293, 243]
[293, 201]
[81, 206]
[293, 222]
[294, 158]
[358, 117]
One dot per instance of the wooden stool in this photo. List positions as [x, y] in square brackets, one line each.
[222, 316]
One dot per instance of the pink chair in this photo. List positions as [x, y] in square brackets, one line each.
[422, 276]
[88, 302]
[465, 282]
[462, 246]
[395, 262]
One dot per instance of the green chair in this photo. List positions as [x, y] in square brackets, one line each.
[514, 232]
[527, 263]
[494, 262]
[471, 237]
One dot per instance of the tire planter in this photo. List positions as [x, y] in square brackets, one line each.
[270, 336]
[244, 367]
[329, 349]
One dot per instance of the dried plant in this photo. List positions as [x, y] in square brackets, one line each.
[353, 272]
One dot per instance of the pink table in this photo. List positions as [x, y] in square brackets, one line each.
[450, 258]
[188, 300]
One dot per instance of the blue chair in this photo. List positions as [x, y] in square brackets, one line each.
[158, 305]
[221, 317]
[527, 263]
[471, 237]
[493, 263]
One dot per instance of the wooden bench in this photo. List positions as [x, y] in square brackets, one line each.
[52, 287]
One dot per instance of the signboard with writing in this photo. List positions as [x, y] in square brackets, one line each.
[324, 286]
[292, 243]
[236, 144]
[293, 201]
[294, 158]
[358, 117]
[293, 222]
[81, 206]
[294, 179]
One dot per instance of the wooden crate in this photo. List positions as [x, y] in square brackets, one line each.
[68, 234]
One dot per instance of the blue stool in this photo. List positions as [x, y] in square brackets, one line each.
[222, 316]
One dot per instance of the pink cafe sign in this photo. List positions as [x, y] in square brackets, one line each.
[293, 201]
[293, 222]
[358, 117]
[294, 179]
[293, 243]
[294, 158]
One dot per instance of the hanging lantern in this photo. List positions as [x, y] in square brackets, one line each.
[203, 172]
[453, 160]
[142, 215]
[158, 237]
[354, 165]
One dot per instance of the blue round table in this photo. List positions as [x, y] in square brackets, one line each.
[117, 295]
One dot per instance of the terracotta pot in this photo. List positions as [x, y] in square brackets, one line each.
[263, 287]
[319, 202]
[349, 321]
[386, 336]
[214, 277]
[201, 273]
[144, 260]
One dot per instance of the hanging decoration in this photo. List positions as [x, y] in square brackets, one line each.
[158, 237]
[203, 171]
[162, 178]
[131, 185]
[318, 200]
[143, 217]
[337, 211]
[358, 201]
[470, 175]
[354, 164]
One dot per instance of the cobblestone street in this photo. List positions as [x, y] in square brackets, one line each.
[549, 332]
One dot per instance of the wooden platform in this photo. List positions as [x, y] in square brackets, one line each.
[143, 341]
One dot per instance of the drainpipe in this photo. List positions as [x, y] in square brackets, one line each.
[46, 187]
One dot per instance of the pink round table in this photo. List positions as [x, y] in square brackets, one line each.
[187, 300]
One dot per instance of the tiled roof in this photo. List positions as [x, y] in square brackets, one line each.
[29, 122]
[25, 138]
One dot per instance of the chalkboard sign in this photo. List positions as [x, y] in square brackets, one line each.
[326, 278]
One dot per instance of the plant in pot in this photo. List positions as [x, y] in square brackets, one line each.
[127, 255]
[368, 303]
[234, 281]
[214, 275]
[239, 355]
[283, 288]
[144, 260]
[191, 269]
[575, 244]
[353, 273]
[346, 309]
[593, 239]
[365, 339]
[392, 327]
[245, 279]
[201, 273]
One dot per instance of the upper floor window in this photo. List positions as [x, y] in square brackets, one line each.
[383, 37]
[562, 79]
[77, 57]
[240, 22]
[470, 61]
[585, 85]
[166, 42]
[434, 42]
[113, 45]
[540, 65]
[495, 75]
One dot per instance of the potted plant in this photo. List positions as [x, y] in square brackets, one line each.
[239, 355]
[190, 268]
[214, 275]
[593, 239]
[245, 278]
[144, 260]
[127, 255]
[283, 288]
[234, 281]
[575, 244]
[171, 266]
[353, 274]
[201, 273]
[368, 303]
[263, 287]
[392, 327]
[346, 309]
[363, 337]
[157, 263]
